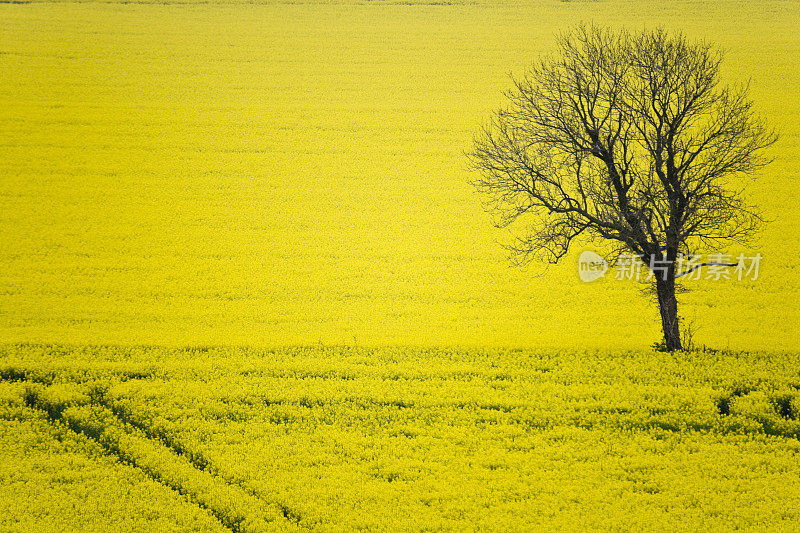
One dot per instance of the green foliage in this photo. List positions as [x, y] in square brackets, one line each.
[785, 406]
[98, 393]
[30, 396]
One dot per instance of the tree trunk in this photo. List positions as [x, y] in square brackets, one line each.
[668, 306]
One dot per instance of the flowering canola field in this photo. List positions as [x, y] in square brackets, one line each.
[189, 191]
[292, 173]
[340, 439]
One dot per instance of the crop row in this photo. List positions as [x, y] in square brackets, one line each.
[82, 409]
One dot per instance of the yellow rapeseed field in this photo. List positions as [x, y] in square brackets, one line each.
[245, 284]
[293, 173]
[346, 439]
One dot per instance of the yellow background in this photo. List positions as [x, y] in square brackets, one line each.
[284, 174]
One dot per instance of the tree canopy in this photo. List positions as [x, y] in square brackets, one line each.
[628, 138]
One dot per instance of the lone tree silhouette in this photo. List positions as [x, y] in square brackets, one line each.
[628, 138]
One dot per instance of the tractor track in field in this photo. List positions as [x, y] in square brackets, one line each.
[55, 413]
[196, 459]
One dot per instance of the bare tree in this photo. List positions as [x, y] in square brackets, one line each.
[628, 138]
